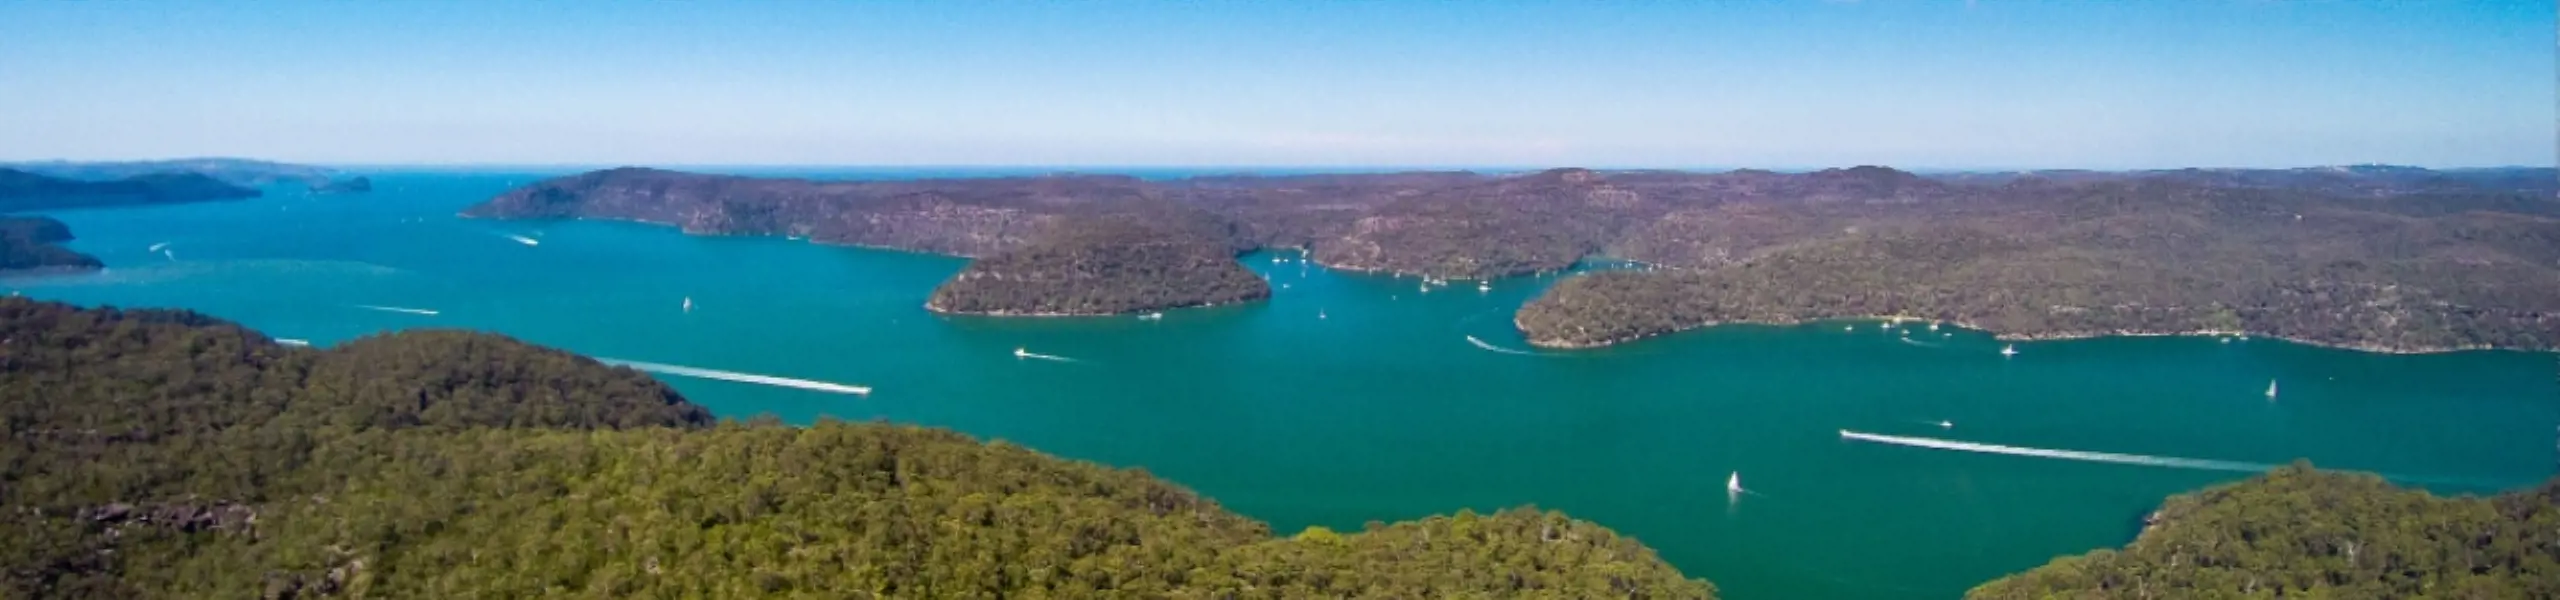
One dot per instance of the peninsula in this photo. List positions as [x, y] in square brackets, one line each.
[2372, 257]
[30, 244]
[235, 171]
[23, 191]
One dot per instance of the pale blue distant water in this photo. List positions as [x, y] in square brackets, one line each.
[1380, 409]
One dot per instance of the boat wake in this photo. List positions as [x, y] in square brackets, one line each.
[2104, 457]
[1489, 346]
[1921, 343]
[789, 382]
[159, 246]
[520, 239]
[1021, 353]
[413, 311]
[293, 342]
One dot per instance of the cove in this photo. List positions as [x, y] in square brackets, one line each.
[1351, 397]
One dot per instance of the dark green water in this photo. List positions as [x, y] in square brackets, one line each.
[1381, 410]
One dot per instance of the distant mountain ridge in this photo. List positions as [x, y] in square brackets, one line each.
[20, 190]
[235, 171]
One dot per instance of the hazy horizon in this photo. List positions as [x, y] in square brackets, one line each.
[1922, 86]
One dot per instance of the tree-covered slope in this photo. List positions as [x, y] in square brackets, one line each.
[163, 454]
[2301, 533]
[1108, 263]
[2416, 272]
[32, 243]
[20, 190]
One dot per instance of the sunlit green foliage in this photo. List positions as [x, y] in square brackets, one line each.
[2301, 533]
[164, 454]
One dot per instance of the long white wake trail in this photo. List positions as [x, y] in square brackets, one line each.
[789, 382]
[1488, 346]
[2105, 457]
[413, 311]
[1021, 353]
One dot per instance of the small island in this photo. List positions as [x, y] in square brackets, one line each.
[1101, 265]
[23, 191]
[30, 244]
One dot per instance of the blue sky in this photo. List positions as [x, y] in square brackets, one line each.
[1611, 84]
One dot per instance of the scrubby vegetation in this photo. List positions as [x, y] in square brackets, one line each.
[2034, 259]
[2298, 532]
[2375, 257]
[21, 190]
[165, 454]
[30, 243]
[1107, 264]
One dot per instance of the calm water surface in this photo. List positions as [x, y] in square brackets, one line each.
[1349, 398]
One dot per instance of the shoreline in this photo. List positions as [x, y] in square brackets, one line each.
[2020, 337]
[931, 307]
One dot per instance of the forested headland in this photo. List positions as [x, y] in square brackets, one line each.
[23, 191]
[2303, 533]
[2370, 257]
[2035, 259]
[164, 454]
[32, 243]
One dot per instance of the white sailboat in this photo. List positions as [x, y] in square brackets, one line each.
[1482, 287]
[1733, 483]
[2009, 350]
[688, 304]
[1151, 316]
[2271, 389]
[1021, 353]
[1946, 424]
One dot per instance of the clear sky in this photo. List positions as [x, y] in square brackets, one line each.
[1699, 83]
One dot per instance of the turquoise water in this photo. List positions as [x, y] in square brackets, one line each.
[1381, 409]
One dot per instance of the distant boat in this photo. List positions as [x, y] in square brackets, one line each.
[1946, 424]
[2009, 350]
[1151, 316]
[1486, 286]
[1933, 325]
[1319, 313]
[1849, 328]
[1021, 353]
[1426, 288]
[2271, 389]
[1733, 483]
[688, 304]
